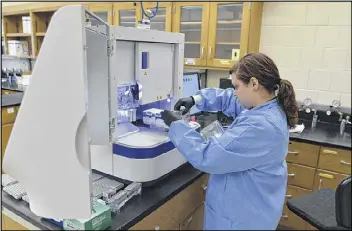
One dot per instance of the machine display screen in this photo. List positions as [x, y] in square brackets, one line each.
[190, 87]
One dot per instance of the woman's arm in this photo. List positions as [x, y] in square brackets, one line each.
[215, 99]
[245, 146]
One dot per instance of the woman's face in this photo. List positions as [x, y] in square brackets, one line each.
[244, 92]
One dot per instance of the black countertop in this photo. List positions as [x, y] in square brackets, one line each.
[325, 134]
[14, 99]
[134, 211]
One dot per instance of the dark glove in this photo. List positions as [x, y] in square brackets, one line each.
[169, 117]
[187, 102]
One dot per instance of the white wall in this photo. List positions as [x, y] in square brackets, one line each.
[311, 44]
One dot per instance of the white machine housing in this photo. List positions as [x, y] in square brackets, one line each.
[64, 127]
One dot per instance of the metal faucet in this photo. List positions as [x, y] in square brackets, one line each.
[315, 118]
[335, 109]
[343, 124]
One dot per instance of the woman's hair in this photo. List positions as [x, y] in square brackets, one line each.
[264, 69]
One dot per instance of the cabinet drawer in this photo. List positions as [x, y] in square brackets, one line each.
[299, 175]
[326, 179]
[8, 114]
[5, 135]
[294, 191]
[337, 160]
[195, 220]
[290, 220]
[174, 212]
[310, 227]
[302, 153]
[11, 224]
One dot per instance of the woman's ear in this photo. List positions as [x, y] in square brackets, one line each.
[254, 83]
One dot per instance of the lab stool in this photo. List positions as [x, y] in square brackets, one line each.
[325, 209]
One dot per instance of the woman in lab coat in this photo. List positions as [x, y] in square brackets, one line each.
[247, 167]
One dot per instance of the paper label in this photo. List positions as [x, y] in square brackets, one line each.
[190, 62]
[10, 110]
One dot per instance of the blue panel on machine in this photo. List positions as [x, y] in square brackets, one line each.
[142, 153]
[145, 56]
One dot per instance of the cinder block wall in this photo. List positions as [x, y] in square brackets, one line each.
[311, 44]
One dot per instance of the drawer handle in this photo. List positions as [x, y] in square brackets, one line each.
[330, 152]
[204, 187]
[327, 176]
[291, 174]
[294, 153]
[284, 217]
[345, 162]
[288, 196]
[320, 183]
[189, 221]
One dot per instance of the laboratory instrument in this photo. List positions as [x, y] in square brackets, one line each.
[92, 116]
[7, 180]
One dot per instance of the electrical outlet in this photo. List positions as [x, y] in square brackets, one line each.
[235, 54]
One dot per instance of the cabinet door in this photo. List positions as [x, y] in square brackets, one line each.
[125, 14]
[195, 220]
[5, 135]
[227, 36]
[192, 20]
[103, 11]
[326, 179]
[162, 20]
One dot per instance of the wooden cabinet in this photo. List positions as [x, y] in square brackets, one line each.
[179, 211]
[103, 11]
[125, 14]
[14, 30]
[302, 153]
[294, 191]
[162, 21]
[195, 220]
[302, 176]
[9, 224]
[228, 23]
[289, 219]
[5, 135]
[8, 114]
[327, 179]
[192, 19]
[337, 160]
[217, 33]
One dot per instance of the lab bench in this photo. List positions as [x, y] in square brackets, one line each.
[318, 157]
[176, 202]
[10, 104]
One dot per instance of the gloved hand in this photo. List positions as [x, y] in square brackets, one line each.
[187, 102]
[169, 117]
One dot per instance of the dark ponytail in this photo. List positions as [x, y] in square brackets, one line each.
[264, 69]
[287, 99]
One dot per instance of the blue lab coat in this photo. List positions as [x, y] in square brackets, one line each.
[247, 167]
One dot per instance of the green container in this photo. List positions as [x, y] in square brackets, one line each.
[100, 220]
